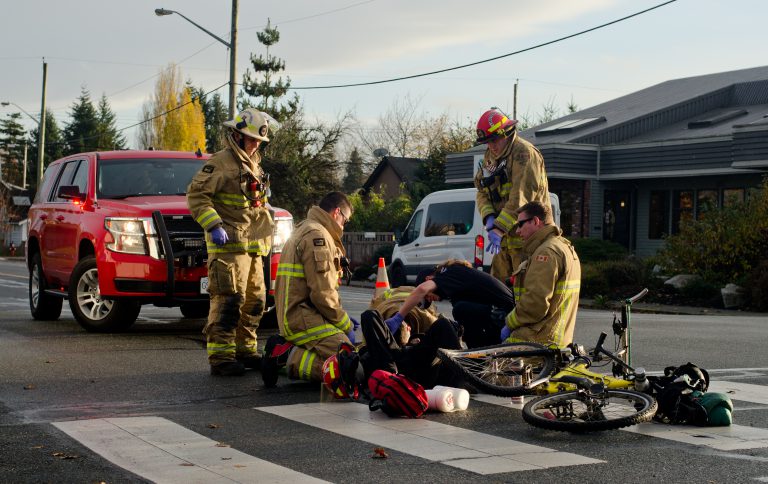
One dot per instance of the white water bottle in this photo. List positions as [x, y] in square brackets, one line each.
[440, 400]
[460, 397]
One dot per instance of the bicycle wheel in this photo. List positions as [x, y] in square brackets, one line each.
[577, 411]
[505, 370]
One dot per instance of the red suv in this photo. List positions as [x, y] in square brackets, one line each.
[111, 231]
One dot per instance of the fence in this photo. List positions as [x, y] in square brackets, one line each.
[361, 246]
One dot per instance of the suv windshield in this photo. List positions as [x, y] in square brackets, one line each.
[127, 178]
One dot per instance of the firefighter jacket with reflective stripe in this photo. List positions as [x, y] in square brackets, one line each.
[521, 178]
[389, 302]
[221, 194]
[546, 290]
[306, 293]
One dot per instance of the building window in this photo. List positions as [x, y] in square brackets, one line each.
[706, 201]
[732, 196]
[658, 215]
[682, 208]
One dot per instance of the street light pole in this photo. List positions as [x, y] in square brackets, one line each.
[231, 45]
[41, 131]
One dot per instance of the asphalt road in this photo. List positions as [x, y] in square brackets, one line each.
[140, 406]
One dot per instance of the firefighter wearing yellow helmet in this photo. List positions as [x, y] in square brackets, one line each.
[511, 174]
[228, 198]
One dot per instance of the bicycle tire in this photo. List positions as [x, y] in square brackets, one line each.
[617, 409]
[491, 369]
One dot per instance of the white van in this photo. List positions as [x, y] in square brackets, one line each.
[445, 225]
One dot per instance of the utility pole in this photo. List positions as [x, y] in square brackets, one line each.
[24, 175]
[41, 137]
[233, 61]
[514, 101]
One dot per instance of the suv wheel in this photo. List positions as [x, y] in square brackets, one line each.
[195, 310]
[398, 278]
[93, 312]
[44, 307]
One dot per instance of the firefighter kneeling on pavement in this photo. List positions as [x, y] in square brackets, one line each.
[309, 314]
[228, 198]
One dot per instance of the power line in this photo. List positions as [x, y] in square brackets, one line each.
[283, 22]
[439, 71]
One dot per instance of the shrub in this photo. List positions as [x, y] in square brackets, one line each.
[363, 272]
[594, 250]
[757, 287]
[384, 251]
[701, 290]
[593, 281]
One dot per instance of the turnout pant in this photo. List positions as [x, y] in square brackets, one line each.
[238, 296]
[306, 361]
[418, 361]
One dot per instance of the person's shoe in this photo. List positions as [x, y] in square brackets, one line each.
[228, 368]
[250, 362]
[275, 357]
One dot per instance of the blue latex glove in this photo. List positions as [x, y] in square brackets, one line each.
[489, 222]
[394, 323]
[355, 323]
[219, 236]
[505, 333]
[351, 336]
[494, 242]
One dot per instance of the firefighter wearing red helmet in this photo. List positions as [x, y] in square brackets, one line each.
[511, 174]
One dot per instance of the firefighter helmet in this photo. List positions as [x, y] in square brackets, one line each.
[250, 122]
[340, 373]
[493, 123]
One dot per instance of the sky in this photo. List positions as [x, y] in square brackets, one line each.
[118, 49]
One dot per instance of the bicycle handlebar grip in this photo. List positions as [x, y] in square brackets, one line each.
[600, 342]
[637, 296]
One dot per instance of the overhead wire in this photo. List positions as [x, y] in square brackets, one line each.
[463, 66]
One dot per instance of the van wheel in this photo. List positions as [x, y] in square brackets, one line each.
[44, 307]
[398, 278]
[195, 310]
[94, 313]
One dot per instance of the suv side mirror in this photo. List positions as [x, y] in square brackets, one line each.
[70, 192]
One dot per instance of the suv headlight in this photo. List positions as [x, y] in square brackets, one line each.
[131, 235]
[283, 229]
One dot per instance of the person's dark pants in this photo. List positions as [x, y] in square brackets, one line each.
[480, 327]
[418, 361]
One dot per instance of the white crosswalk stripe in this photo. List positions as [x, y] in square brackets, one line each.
[162, 451]
[746, 392]
[453, 446]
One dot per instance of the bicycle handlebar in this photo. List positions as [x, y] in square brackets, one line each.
[599, 349]
[637, 296]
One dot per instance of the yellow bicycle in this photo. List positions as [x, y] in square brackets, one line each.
[571, 395]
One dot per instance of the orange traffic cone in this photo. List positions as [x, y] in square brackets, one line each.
[382, 281]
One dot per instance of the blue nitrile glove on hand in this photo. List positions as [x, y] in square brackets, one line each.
[494, 242]
[355, 323]
[219, 236]
[505, 333]
[351, 336]
[394, 323]
[489, 222]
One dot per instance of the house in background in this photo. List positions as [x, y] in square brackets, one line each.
[390, 173]
[631, 169]
[14, 206]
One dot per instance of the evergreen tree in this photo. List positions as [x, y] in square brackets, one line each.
[109, 138]
[215, 113]
[82, 132]
[301, 157]
[354, 178]
[12, 143]
[54, 146]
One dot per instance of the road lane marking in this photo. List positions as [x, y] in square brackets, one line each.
[746, 392]
[453, 446]
[162, 451]
[25, 277]
[5, 283]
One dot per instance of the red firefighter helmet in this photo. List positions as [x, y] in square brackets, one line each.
[493, 123]
[339, 373]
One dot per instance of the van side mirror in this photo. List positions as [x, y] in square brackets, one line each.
[398, 234]
[70, 192]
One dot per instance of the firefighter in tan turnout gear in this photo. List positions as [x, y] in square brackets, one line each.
[309, 313]
[228, 198]
[511, 174]
[547, 282]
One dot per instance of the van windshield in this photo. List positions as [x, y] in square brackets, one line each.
[450, 218]
[117, 179]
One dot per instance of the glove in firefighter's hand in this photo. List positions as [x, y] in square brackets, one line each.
[219, 236]
[494, 242]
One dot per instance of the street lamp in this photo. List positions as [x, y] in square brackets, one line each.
[231, 45]
[24, 174]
